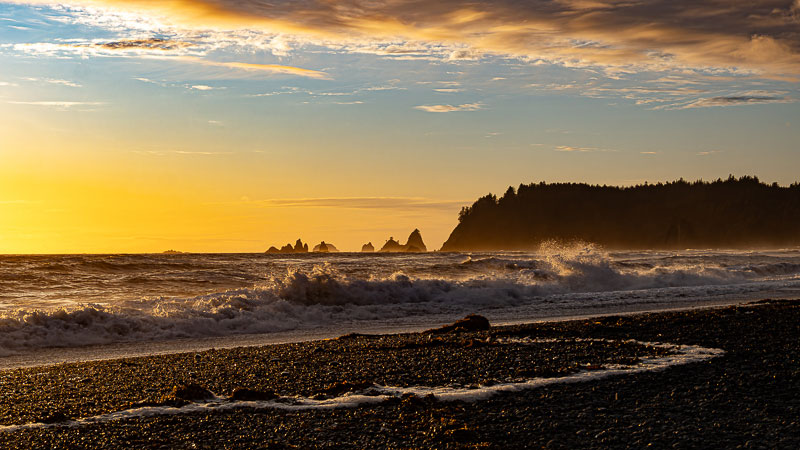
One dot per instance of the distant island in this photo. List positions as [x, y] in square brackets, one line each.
[731, 213]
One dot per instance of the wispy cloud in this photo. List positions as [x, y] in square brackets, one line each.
[149, 44]
[162, 50]
[735, 100]
[709, 153]
[53, 81]
[261, 68]
[180, 152]
[60, 105]
[407, 203]
[450, 108]
[569, 149]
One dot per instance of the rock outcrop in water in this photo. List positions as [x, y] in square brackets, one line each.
[392, 246]
[323, 247]
[414, 244]
[299, 247]
[367, 248]
[732, 213]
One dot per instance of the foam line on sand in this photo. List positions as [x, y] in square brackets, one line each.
[681, 354]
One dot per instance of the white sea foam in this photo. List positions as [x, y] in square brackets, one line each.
[682, 354]
[370, 289]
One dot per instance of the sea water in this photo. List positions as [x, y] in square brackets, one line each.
[73, 307]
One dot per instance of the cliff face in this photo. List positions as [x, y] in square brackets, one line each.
[731, 213]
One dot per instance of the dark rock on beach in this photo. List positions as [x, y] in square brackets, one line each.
[191, 392]
[245, 394]
[472, 322]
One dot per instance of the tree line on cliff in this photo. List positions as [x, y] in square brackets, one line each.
[733, 213]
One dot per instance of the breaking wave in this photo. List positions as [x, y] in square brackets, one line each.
[546, 283]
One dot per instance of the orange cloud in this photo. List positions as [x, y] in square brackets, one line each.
[450, 108]
[757, 35]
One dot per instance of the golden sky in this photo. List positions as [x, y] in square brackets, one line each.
[227, 126]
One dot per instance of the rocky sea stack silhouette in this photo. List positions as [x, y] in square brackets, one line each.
[299, 247]
[367, 248]
[414, 244]
[324, 247]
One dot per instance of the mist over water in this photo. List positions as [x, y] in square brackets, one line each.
[76, 300]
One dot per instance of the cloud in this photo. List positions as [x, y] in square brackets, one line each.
[736, 100]
[180, 152]
[53, 81]
[201, 87]
[60, 105]
[709, 153]
[149, 44]
[413, 203]
[450, 108]
[756, 35]
[259, 68]
[567, 148]
[163, 50]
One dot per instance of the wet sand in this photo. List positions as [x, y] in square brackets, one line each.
[746, 397]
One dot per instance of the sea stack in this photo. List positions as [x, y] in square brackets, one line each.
[299, 247]
[367, 248]
[392, 246]
[415, 243]
[324, 247]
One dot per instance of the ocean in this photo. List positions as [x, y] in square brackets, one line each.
[77, 307]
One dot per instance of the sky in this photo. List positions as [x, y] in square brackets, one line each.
[235, 125]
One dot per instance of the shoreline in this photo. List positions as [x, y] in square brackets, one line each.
[745, 397]
[49, 356]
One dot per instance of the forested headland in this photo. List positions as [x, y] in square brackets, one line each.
[730, 213]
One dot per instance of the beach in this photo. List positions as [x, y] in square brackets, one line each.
[446, 389]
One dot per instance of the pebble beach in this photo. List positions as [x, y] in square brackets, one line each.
[454, 387]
